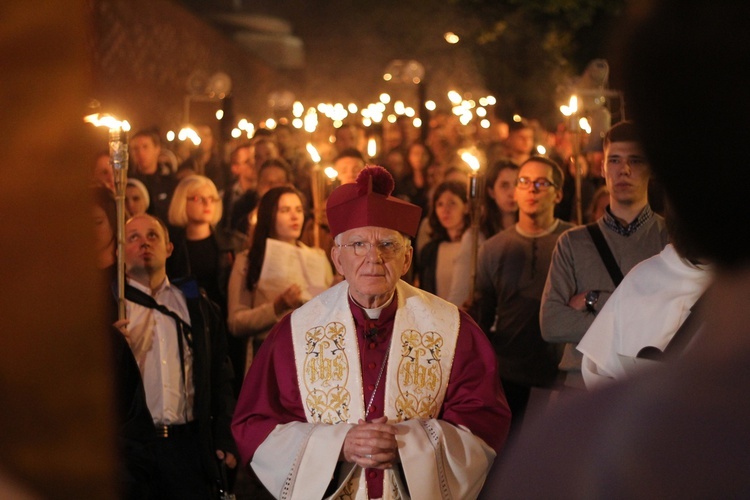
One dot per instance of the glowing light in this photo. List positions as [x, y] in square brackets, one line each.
[298, 123]
[451, 38]
[541, 150]
[314, 156]
[391, 118]
[491, 100]
[385, 98]
[372, 147]
[170, 135]
[485, 123]
[366, 122]
[481, 112]
[297, 109]
[399, 108]
[270, 124]
[454, 97]
[471, 160]
[517, 118]
[331, 172]
[388, 77]
[417, 122]
[236, 133]
[584, 124]
[571, 108]
[410, 112]
[352, 107]
[108, 121]
[430, 105]
[188, 133]
[311, 120]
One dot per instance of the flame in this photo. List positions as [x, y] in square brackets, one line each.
[331, 173]
[471, 160]
[313, 153]
[372, 148]
[109, 121]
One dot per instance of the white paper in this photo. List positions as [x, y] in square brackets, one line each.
[285, 265]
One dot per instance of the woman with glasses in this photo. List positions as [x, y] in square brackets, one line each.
[260, 292]
[201, 250]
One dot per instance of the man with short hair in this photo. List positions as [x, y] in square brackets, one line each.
[511, 272]
[245, 173]
[373, 389]
[178, 339]
[145, 147]
[348, 163]
[579, 282]
[519, 145]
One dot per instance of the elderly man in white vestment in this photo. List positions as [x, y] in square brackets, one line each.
[373, 389]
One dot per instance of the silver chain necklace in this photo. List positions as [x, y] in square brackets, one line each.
[377, 382]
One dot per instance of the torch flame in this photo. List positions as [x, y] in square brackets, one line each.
[372, 148]
[331, 173]
[471, 160]
[109, 121]
[313, 153]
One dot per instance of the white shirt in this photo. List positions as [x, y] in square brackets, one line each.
[448, 253]
[646, 309]
[153, 338]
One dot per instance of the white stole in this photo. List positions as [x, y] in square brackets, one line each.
[329, 375]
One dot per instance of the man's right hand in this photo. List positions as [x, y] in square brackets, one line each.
[371, 445]
[122, 325]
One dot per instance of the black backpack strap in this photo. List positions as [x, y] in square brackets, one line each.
[605, 253]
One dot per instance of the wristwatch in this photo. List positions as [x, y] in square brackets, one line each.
[592, 297]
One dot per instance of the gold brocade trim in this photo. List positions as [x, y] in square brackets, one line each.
[326, 373]
[420, 375]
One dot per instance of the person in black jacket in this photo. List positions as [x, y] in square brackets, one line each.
[178, 338]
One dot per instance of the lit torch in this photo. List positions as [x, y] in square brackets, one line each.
[475, 203]
[118, 159]
[317, 191]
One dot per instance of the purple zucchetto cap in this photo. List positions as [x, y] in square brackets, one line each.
[368, 202]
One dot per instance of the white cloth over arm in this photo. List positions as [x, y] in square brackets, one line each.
[646, 310]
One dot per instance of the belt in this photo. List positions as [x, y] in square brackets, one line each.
[168, 431]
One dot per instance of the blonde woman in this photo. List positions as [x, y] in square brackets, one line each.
[200, 250]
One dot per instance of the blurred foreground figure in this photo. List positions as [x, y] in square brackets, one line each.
[679, 430]
[372, 389]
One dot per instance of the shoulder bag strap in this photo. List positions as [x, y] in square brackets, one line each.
[605, 253]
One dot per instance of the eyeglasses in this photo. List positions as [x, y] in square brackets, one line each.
[386, 249]
[540, 183]
[203, 199]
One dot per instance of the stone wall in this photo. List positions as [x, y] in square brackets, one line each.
[145, 51]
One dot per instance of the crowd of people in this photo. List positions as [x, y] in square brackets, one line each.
[438, 331]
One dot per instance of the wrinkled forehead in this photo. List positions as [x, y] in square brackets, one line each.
[371, 233]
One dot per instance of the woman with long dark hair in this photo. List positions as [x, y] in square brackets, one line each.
[449, 218]
[258, 300]
[499, 211]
